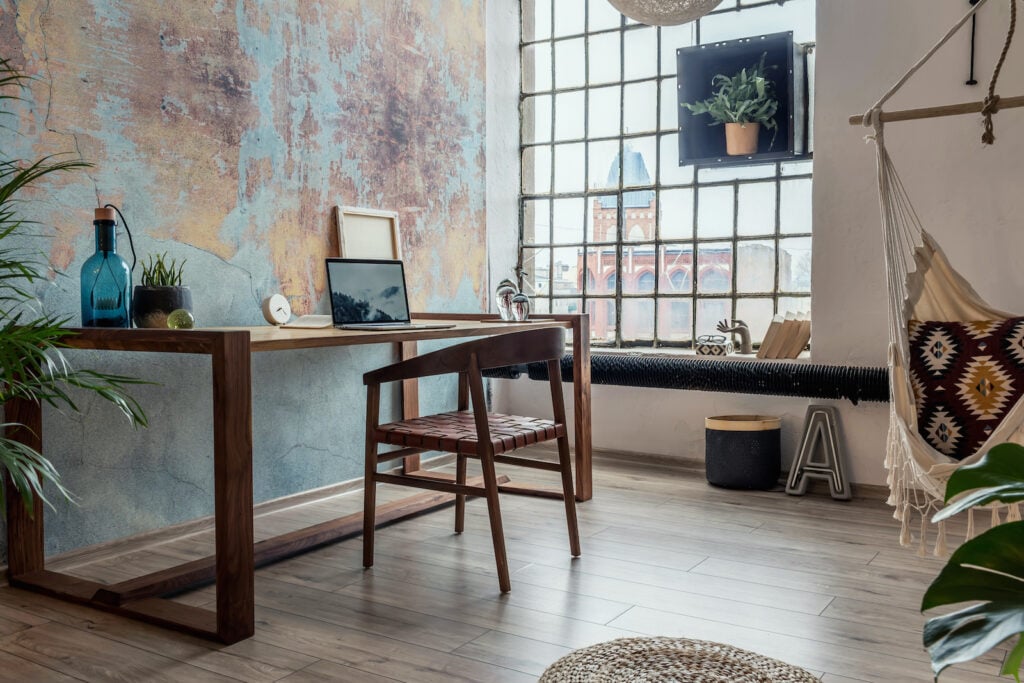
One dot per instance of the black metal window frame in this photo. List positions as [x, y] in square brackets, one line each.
[780, 171]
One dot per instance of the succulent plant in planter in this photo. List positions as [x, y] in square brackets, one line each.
[743, 102]
[161, 293]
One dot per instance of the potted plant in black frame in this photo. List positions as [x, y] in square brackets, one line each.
[161, 292]
[743, 102]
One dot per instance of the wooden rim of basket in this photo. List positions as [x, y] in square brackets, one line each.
[742, 423]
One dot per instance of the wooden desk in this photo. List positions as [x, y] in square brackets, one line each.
[233, 565]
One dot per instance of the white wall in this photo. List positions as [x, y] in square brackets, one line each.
[967, 195]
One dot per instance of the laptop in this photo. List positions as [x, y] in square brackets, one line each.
[369, 294]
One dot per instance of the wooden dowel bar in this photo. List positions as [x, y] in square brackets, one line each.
[430, 484]
[940, 111]
[400, 453]
[522, 490]
[526, 462]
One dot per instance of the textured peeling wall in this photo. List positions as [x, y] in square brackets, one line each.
[226, 131]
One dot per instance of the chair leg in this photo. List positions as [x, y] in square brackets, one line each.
[565, 461]
[494, 514]
[460, 498]
[369, 503]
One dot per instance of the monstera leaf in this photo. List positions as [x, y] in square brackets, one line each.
[988, 570]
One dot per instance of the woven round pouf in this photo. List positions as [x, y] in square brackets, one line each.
[665, 660]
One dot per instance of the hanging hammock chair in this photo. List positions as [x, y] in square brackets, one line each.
[956, 363]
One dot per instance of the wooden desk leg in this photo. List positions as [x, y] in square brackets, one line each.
[410, 401]
[581, 406]
[24, 527]
[232, 466]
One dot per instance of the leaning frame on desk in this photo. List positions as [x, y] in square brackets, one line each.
[236, 556]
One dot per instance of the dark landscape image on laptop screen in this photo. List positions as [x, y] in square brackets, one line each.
[367, 291]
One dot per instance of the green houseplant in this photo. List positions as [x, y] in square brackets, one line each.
[33, 367]
[743, 102]
[161, 292]
[987, 570]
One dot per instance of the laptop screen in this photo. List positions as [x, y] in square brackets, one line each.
[367, 291]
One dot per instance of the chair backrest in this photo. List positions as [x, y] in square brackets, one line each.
[546, 343]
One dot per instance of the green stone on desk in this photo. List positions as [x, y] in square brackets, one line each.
[180, 319]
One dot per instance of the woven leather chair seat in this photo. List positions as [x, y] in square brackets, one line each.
[455, 432]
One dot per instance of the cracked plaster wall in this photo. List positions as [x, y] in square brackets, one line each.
[226, 131]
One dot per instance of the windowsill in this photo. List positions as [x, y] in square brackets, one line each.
[804, 357]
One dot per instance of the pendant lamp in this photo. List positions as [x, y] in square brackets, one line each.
[664, 12]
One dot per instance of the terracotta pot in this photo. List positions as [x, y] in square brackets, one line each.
[741, 138]
[150, 305]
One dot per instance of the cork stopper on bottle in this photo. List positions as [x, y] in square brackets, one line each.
[103, 215]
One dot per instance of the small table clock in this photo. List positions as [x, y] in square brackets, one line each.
[276, 309]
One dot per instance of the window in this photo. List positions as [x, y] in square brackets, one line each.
[657, 253]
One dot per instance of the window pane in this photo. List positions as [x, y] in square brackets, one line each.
[710, 312]
[714, 175]
[756, 209]
[714, 211]
[673, 38]
[605, 58]
[795, 304]
[757, 314]
[638, 270]
[537, 266]
[674, 319]
[537, 67]
[671, 173]
[640, 52]
[569, 168]
[569, 115]
[795, 206]
[603, 159]
[640, 218]
[604, 112]
[537, 119]
[537, 25]
[676, 214]
[565, 305]
[640, 107]
[637, 319]
[566, 278]
[602, 319]
[795, 264]
[536, 221]
[669, 119]
[568, 19]
[602, 15]
[676, 269]
[601, 273]
[537, 170]
[540, 304]
[797, 167]
[569, 63]
[639, 156]
[602, 219]
[568, 225]
[755, 266]
[714, 268]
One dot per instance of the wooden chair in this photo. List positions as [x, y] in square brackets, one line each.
[471, 433]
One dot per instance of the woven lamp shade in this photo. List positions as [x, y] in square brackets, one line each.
[664, 12]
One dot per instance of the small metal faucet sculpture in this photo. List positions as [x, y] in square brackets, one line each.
[738, 327]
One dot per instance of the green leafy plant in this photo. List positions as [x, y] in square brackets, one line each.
[33, 367]
[987, 570]
[158, 272]
[746, 97]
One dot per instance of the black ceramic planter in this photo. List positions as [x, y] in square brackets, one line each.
[150, 305]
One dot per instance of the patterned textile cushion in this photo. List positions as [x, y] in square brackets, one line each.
[966, 376]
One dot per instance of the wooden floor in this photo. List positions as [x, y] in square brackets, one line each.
[820, 584]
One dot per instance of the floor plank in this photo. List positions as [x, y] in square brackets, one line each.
[815, 582]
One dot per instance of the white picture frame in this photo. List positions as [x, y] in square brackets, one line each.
[367, 233]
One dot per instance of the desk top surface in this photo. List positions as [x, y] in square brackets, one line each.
[270, 338]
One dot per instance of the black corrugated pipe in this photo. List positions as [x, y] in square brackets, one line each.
[739, 377]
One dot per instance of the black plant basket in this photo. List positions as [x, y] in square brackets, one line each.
[151, 305]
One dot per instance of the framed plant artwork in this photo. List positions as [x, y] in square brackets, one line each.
[367, 233]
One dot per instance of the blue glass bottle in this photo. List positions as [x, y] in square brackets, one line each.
[106, 279]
